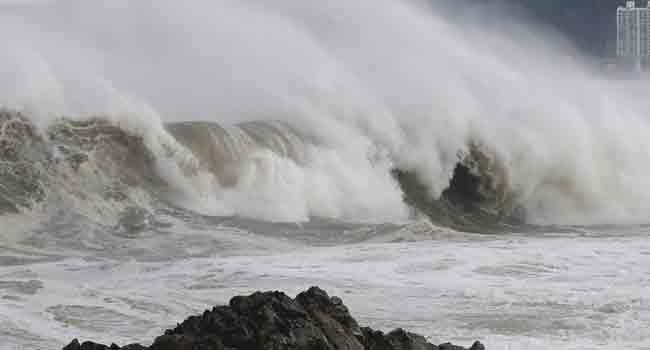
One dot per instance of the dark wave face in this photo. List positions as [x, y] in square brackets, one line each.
[478, 198]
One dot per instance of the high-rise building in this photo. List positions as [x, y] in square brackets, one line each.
[633, 32]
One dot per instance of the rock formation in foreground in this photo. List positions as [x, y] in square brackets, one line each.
[274, 321]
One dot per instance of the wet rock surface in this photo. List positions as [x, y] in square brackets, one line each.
[274, 321]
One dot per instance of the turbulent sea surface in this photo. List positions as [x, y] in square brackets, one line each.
[461, 180]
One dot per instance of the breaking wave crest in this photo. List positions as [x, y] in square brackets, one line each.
[253, 169]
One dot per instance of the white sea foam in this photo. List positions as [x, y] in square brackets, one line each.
[583, 292]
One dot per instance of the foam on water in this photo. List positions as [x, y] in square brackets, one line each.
[518, 292]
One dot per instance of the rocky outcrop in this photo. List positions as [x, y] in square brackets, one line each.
[274, 321]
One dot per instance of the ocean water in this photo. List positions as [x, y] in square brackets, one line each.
[455, 171]
[570, 291]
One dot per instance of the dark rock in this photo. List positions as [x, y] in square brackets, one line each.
[477, 346]
[186, 342]
[274, 321]
[449, 346]
[332, 317]
[133, 347]
[74, 345]
[401, 339]
[268, 320]
[398, 339]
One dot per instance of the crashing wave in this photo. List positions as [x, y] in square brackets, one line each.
[97, 161]
[21, 155]
[91, 167]
[478, 198]
[221, 150]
